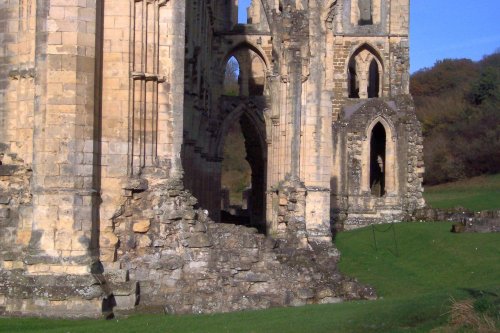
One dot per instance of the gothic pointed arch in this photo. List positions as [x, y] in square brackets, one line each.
[379, 166]
[364, 73]
[252, 124]
[252, 68]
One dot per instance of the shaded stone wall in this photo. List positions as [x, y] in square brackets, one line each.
[353, 202]
[207, 115]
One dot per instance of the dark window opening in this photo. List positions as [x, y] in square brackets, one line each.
[365, 12]
[353, 80]
[374, 80]
[377, 160]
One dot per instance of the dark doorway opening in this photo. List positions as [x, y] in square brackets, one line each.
[243, 180]
[377, 160]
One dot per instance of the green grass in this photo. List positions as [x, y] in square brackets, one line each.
[414, 289]
[479, 193]
[430, 258]
[379, 316]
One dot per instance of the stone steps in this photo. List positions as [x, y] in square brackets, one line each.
[121, 292]
[124, 291]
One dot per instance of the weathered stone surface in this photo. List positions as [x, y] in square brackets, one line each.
[141, 226]
[199, 240]
[4, 199]
[8, 170]
[233, 267]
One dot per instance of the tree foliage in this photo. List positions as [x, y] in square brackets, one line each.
[458, 103]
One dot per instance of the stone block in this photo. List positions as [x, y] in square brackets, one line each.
[8, 170]
[23, 237]
[117, 276]
[4, 199]
[108, 239]
[144, 241]
[305, 293]
[141, 226]
[171, 263]
[4, 213]
[125, 302]
[199, 240]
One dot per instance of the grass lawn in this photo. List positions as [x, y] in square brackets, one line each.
[415, 288]
[479, 193]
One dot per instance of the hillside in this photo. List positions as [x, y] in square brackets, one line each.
[458, 103]
[476, 194]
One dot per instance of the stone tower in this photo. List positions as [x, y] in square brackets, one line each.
[113, 118]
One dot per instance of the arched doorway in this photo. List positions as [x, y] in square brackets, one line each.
[246, 125]
[378, 160]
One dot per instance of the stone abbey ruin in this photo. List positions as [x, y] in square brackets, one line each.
[113, 120]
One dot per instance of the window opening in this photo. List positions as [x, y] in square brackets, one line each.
[374, 80]
[243, 11]
[231, 74]
[377, 160]
[365, 12]
[353, 80]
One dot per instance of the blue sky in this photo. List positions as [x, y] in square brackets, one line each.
[448, 29]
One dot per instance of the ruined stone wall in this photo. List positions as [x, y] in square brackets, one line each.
[353, 203]
[100, 102]
[382, 39]
[386, 39]
[186, 263]
[63, 107]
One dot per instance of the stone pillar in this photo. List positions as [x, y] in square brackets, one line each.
[245, 63]
[64, 195]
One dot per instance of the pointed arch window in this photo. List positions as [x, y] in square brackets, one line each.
[373, 80]
[364, 74]
[379, 165]
[231, 75]
[378, 160]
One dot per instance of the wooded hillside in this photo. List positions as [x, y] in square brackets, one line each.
[458, 103]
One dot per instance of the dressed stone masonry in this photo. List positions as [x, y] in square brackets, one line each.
[113, 118]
